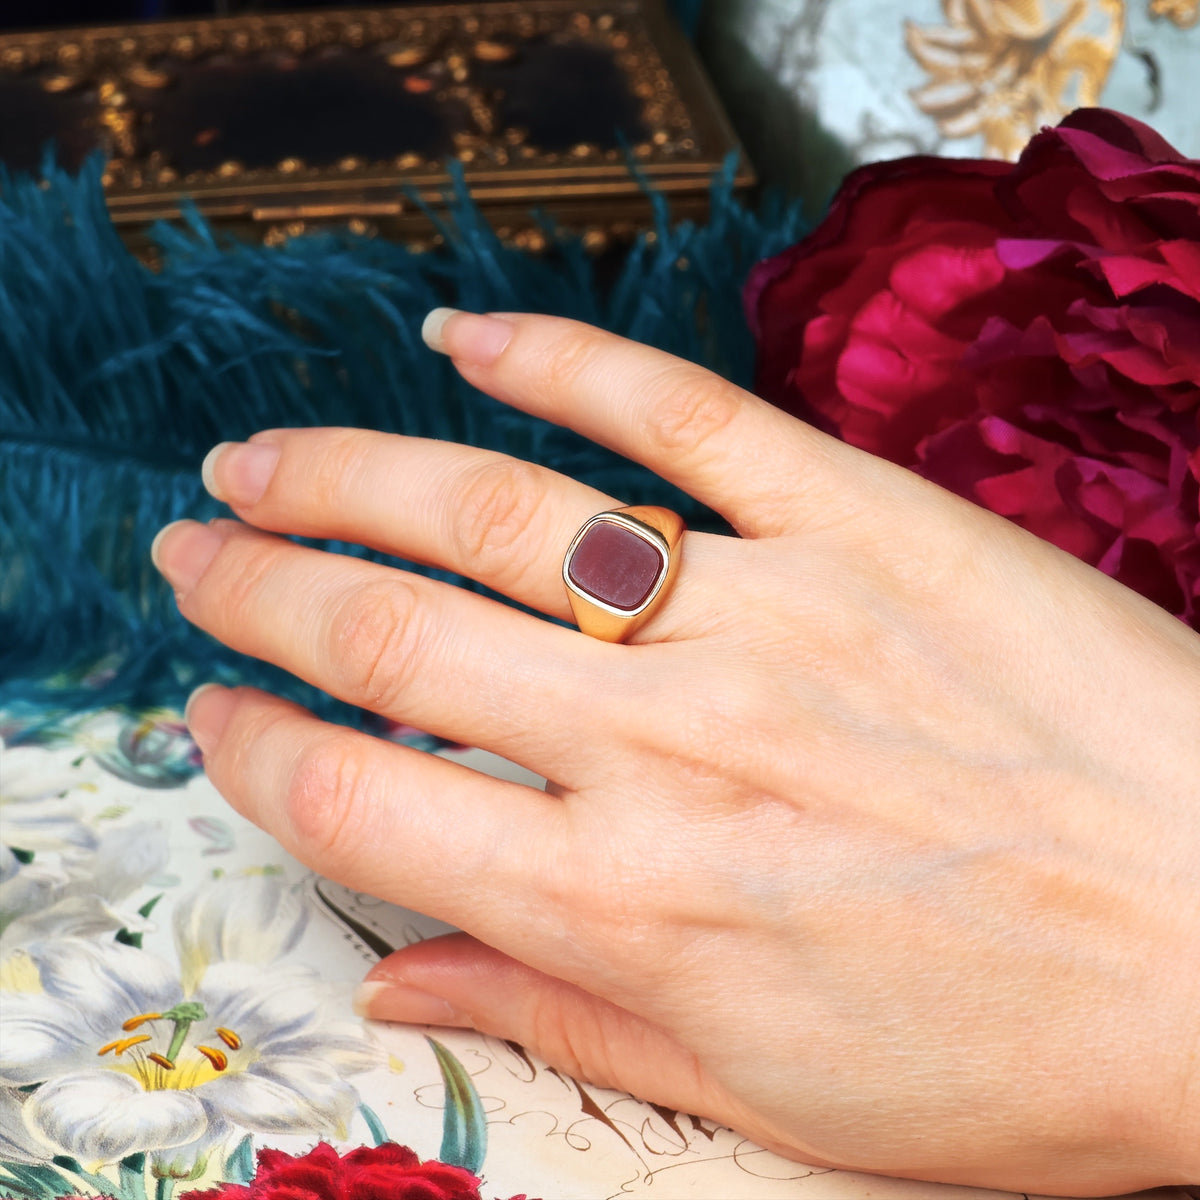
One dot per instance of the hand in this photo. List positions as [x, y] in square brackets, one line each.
[878, 844]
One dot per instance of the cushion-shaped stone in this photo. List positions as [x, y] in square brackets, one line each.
[614, 565]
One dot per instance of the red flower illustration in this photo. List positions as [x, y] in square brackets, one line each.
[387, 1172]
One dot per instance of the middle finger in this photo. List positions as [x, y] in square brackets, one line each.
[413, 649]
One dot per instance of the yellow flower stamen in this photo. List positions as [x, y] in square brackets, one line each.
[180, 1064]
[141, 1019]
[214, 1056]
[123, 1044]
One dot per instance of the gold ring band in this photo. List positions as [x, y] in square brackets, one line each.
[619, 568]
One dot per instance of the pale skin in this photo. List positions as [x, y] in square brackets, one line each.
[879, 843]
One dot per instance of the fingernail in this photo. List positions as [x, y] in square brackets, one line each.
[475, 338]
[182, 551]
[432, 326]
[246, 469]
[206, 714]
[379, 1001]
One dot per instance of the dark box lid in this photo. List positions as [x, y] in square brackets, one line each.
[279, 122]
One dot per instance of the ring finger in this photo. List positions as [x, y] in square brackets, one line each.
[413, 649]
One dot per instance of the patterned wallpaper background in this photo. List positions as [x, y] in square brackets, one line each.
[817, 86]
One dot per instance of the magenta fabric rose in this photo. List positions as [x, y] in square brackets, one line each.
[1026, 335]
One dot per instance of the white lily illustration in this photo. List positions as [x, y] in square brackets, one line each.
[79, 893]
[17, 1143]
[132, 1057]
[35, 813]
[58, 876]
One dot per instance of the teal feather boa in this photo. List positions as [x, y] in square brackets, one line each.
[116, 379]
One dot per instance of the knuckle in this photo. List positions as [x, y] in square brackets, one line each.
[498, 505]
[567, 361]
[573, 1038]
[688, 410]
[373, 639]
[250, 728]
[600, 899]
[331, 463]
[327, 793]
[701, 727]
[235, 579]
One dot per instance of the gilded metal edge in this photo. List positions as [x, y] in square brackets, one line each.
[689, 137]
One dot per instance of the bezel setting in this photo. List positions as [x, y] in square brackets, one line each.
[640, 529]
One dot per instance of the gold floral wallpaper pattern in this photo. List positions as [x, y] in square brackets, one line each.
[1184, 13]
[818, 86]
[1005, 68]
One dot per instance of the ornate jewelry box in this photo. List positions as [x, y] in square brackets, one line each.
[278, 123]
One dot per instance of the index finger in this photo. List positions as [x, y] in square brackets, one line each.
[761, 469]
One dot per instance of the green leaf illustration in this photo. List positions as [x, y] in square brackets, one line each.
[13, 1189]
[10, 1189]
[132, 1172]
[239, 1166]
[125, 937]
[104, 1186]
[374, 1124]
[464, 1129]
[33, 1180]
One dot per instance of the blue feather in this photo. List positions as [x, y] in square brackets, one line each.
[115, 380]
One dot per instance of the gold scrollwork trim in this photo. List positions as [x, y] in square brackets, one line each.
[452, 38]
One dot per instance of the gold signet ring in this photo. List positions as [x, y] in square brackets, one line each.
[620, 567]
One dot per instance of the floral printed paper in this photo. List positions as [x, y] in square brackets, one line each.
[175, 998]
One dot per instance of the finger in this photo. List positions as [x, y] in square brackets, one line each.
[457, 981]
[413, 649]
[763, 470]
[492, 518]
[385, 819]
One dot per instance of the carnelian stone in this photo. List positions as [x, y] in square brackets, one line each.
[615, 566]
